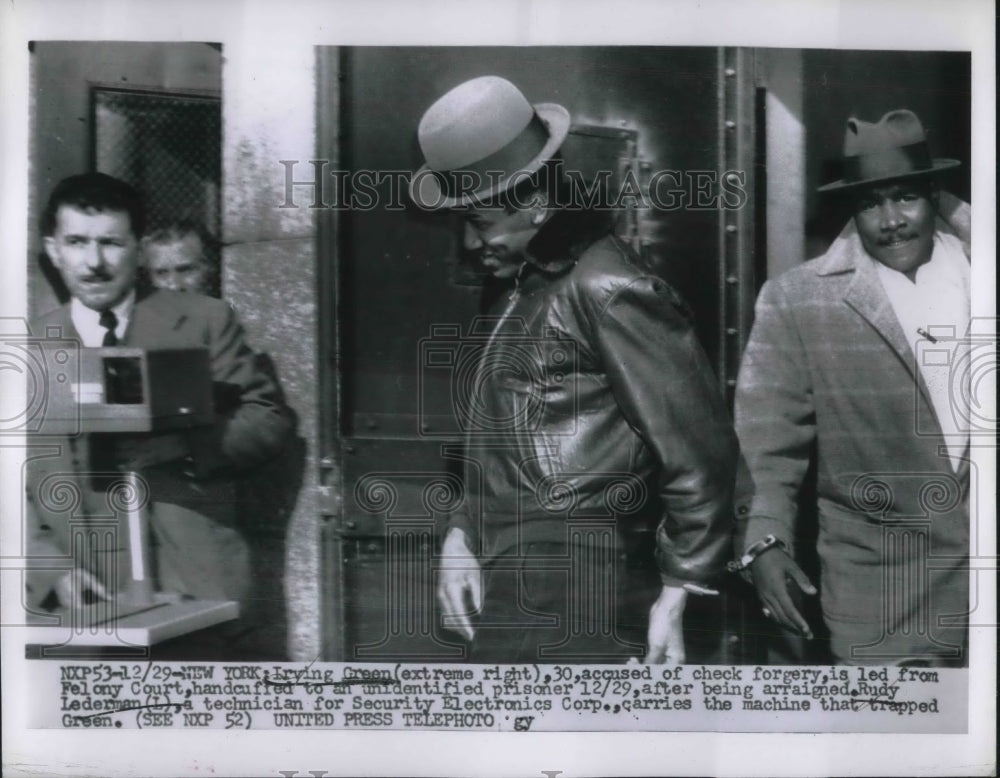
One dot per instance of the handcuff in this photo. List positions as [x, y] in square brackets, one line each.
[755, 550]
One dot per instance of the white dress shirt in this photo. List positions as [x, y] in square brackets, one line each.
[88, 321]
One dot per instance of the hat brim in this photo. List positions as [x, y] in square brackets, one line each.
[426, 192]
[938, 166]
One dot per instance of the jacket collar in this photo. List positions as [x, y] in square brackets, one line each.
[153, 314]
[565, 236]
[846, 251]
[865, 294]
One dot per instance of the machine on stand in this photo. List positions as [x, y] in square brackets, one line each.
[155, 401]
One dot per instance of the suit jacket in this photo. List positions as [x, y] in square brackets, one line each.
[829, 378]
[198, 548]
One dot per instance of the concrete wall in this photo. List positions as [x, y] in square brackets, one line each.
[269, 275]
[62, 74]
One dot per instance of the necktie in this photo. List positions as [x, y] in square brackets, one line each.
[109, 321]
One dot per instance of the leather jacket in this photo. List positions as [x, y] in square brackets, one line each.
[590, 397]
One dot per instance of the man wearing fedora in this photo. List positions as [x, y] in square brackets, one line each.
[592, 394]
[838, 376]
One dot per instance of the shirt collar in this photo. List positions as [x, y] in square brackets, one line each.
[87, 320]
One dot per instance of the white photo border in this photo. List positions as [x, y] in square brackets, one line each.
[962, 25]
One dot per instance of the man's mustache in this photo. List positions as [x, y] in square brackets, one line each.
[96, 276]
[887, 240]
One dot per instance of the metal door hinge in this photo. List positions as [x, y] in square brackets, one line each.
[329, 502]
[329, 499]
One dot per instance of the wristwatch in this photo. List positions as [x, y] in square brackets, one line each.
[755, 550]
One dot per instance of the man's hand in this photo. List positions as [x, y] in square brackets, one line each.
[72, 589]
[460, 581]
[666, 630]
[771, 572]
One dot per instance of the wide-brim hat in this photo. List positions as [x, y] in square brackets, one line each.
[894, 147]
[480, 139]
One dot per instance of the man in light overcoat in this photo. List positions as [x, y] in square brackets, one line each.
[855, 366]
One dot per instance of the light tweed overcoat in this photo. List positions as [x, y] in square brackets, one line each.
[829, 378]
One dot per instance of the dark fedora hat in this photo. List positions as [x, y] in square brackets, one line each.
[480, 139]
[893, 147]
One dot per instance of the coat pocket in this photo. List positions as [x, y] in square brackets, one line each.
[855, 559]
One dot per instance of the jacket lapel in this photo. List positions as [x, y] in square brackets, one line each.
[866, 296]
[60, 319]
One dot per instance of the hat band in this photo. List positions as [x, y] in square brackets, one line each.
[889, 163]
[490, 171]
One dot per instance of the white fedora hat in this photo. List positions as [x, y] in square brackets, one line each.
[480, 139]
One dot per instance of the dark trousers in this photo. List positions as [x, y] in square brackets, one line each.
[552, 603]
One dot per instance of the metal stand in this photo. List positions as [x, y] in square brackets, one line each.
[135, 615]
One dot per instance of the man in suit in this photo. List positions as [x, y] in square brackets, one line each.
[838, 376]
[176, 258]
[92, 228]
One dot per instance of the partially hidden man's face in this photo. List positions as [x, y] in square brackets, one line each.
[178, 265]
[96, 253]
[499, 237]
[896, 224]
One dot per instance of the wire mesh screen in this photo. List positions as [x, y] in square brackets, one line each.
[169, 147]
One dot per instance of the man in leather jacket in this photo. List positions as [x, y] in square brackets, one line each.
[591, 394]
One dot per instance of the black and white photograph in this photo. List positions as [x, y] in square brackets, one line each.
[440, 378]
